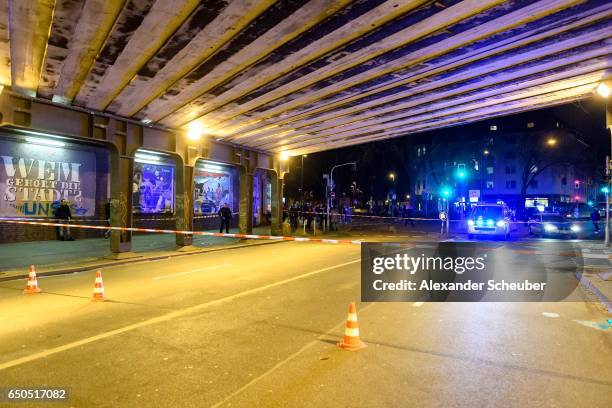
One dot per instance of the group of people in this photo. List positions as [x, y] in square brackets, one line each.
[315, 213]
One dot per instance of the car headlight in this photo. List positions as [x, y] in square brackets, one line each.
[470, 223]
[501, 223]
[575, 228]
[549, 227]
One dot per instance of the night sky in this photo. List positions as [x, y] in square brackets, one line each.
[586, 119]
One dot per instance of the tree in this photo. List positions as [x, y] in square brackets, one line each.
[538, 151]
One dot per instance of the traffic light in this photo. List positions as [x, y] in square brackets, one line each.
[605, 189]
[461, 172]
[445, 192]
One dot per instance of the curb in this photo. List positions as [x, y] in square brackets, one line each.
[603, 299]
[76, 269]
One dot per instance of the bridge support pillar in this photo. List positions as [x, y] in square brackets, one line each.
[246, 202]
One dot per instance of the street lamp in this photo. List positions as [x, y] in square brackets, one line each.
[330, 184]
[485, 152]
[392, 177]
[604, 91]
[552, 142]
[302, 180]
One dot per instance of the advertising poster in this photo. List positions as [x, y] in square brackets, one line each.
[35, 177]
[153, 188]
[213, 188]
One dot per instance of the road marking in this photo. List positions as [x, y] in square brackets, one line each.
[285, 361]
[163, 318]
[550, 314]
[192, 271]
[418, 304]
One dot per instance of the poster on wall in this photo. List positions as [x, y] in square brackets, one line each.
[212, 188]
[35, 177]
[153, 188]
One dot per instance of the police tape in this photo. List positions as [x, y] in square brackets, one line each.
[398, 218]
[182, 232]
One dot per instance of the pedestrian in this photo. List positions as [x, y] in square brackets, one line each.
[62, 213]
[107, 210]
[226, 215]
[408, 215]
[595, 217]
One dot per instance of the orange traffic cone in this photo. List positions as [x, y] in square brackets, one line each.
[32, 285]
[351, 340]
[98, 290]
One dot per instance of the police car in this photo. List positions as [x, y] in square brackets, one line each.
[489, 219]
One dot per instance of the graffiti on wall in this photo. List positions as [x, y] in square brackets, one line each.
[34, 178]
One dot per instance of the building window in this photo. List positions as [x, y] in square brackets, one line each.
[490, 185]
[530, 125]
[490, 170]
[510, 184]
[493, 128]
[510, 155]
[510, 170]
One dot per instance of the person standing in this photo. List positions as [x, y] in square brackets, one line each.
[64, 216]
[226, 215]
[595, 217]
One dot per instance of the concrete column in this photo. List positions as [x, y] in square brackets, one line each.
[277, 205]
[184, 205]
[121, 173]
[246, 202]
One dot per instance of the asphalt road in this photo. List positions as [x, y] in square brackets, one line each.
[257, 327]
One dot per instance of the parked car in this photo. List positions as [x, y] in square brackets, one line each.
[489, 219]
[553, 224]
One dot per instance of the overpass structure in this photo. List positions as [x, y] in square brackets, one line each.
[242, 81]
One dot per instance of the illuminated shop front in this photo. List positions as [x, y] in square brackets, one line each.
[153, 183]
[214, 185]
[37, 172]
[262, 198]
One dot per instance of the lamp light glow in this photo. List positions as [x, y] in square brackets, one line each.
[603, 90]
[45, 142]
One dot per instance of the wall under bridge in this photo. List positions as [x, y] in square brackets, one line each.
[23, 118]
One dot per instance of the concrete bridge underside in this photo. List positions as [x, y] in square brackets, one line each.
[305, 76]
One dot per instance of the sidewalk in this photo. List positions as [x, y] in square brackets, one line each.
[59, 257]
[597, 276]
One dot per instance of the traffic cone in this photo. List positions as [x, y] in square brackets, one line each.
[351, 340]
[98, 290]
[32, 285]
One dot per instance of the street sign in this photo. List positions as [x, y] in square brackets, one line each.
[474, 196]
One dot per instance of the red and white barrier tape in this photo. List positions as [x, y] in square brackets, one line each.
[339, 215]
[167, 231]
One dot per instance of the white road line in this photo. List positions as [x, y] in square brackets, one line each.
[163, 318]
[192, 271]
[285, 361]
[418, 304]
